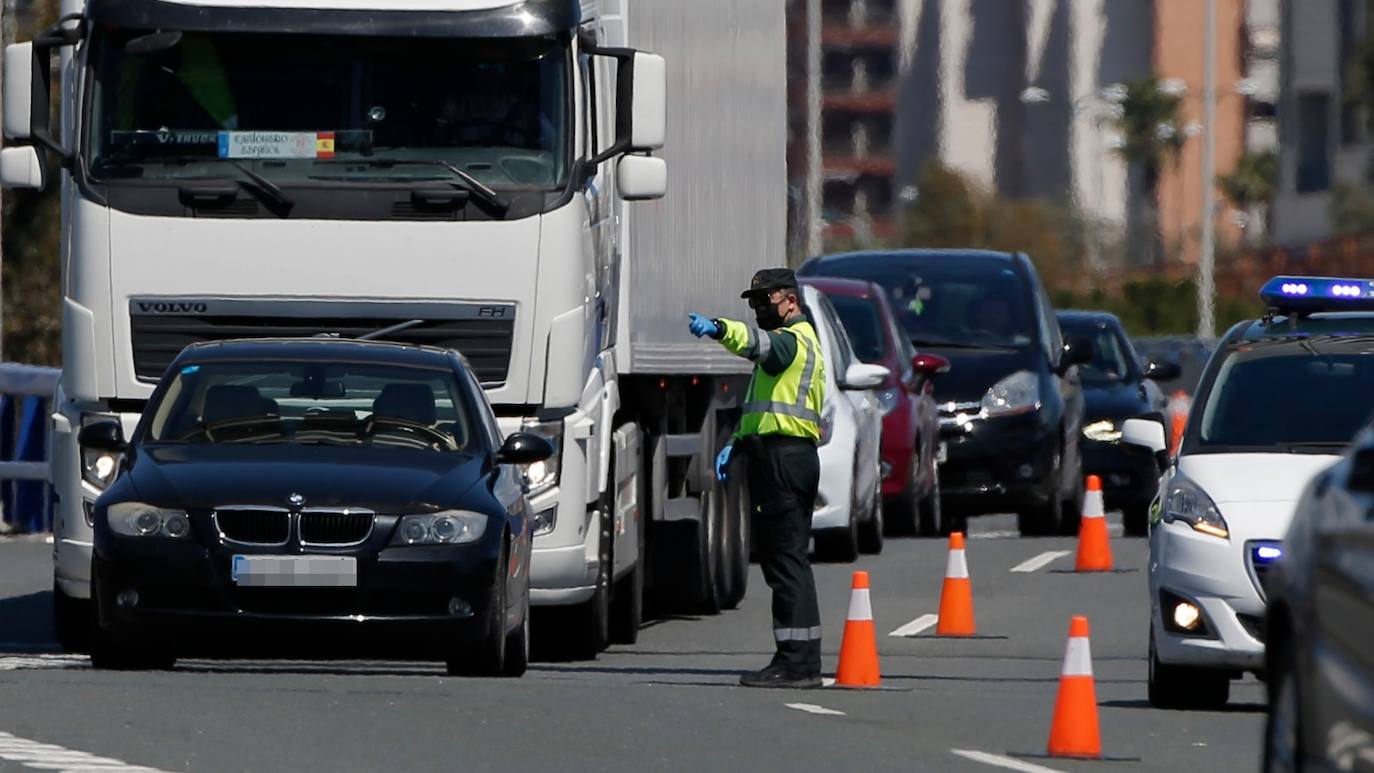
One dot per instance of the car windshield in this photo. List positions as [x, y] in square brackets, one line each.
[314, 403]
[861, 320]
[960, 303]
[1293, 394]
[297, 108]
[1110, 363]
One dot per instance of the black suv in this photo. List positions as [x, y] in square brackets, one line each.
[1011, 408]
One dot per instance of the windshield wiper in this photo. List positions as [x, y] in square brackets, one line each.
[469, 183]
[1317, 445]
[266, 186]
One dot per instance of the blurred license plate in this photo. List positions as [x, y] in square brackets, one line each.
[295, 571]
[942, 453]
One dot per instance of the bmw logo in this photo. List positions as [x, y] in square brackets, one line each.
[296, 499]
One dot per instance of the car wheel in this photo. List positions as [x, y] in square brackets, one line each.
[1183, 687]
[871, 531]
[1283, 728]
[518, 641]
[73, 621]
[932, 518]
[1135, 520]
[486, 657]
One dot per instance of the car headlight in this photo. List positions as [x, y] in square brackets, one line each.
[135, 519]
[1104, 431]
[887, 399]
[99, 468]
[1016, 394]
[451, 527]
[542, 476]
[1188, 503]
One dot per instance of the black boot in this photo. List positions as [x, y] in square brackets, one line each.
[779, 677]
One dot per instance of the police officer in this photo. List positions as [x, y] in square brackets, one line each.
[778, 435]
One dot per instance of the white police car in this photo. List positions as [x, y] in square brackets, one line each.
[1279, 401]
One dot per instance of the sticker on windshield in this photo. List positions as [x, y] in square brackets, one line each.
[276, 145]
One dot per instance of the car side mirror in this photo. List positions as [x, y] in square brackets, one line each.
[1144, 433]
[1078, 351]
[929, 365]
[861, 375]
[1163, 371]
[103, 436]
[524, 448]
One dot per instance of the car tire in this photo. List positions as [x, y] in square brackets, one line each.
[737, 525]
[486, 656]
[1183, 687]
[1135, 520]
[1071, 511]
[517, 657]
[871, 531]
[1283, 733]
[73, 621]
[932, 517]
[905, 514]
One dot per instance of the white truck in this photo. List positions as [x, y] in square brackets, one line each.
[448, 172]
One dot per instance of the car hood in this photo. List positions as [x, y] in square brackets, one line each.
[380, 479]
[973, 371]
[1113, 401]
[1251, 478]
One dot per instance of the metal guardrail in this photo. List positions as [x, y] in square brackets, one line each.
[26, 394]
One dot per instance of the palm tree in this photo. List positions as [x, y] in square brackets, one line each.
[1147, 120]
[1250, 186]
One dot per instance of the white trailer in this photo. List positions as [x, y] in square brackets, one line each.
[240, 168]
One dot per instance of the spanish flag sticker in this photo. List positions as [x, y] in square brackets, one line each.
[324, 145]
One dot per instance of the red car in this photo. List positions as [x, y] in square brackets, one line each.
[911, 421]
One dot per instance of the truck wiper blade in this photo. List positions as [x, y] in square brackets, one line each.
[271, 189]
[469, 182]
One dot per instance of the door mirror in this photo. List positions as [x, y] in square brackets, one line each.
[19, 91]
[21, 167]
[1144, 433]
[524, 448]
[1078, 351]
[641, 178]
[648, 101]
[929, 365]
[861, 375]
[1163, 371]
[105, 436]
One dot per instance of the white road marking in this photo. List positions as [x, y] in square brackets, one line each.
[916, 626]
[42, 661]
[811, 708]
[827, 682]
[1004, 534]
[1041, 561]
[47, 756]
[997, 760]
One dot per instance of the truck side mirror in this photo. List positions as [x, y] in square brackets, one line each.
[22, 167]
[648, 101]
[641, 178]
[19, 91]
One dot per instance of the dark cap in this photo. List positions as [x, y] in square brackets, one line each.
[770, 279]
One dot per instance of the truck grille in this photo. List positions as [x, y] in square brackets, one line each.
[158, 338]
[254, 526]
[335, 528]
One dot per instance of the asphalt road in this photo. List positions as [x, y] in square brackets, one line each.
[669, 703]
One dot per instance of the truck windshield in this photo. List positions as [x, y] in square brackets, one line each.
[1297, 395]
[322, 108]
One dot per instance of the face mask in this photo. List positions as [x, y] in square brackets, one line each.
[767, 315]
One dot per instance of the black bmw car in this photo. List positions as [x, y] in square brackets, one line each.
[1116, 387]
[279, 487]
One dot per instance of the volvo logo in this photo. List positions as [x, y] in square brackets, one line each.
[296, 499]
[172, 307]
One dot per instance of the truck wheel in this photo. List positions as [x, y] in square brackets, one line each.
[737, 501]
[711, 541]
[486, 657]
[73, 621]
[1181, 687]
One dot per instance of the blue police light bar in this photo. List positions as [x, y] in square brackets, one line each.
[1318, 293]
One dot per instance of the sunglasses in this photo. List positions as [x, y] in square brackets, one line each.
[763, 301]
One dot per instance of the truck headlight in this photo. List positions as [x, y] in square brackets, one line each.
[1104, 431]
[136, 519]
[542, 476]
[1014, 395]
[99, 468]
[1188, 503]
[450, 527]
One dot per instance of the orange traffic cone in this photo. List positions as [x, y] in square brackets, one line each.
[1179, 405]
[956, 598]
[1094, 549]
[859, 647]
[1075, 732]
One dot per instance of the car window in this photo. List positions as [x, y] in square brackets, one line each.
[1288, 394]
[314, 403]
[864, 325]
[1111, 361]
[973, 302]
[837, 352]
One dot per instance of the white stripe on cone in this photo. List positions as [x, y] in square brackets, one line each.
[860, 608]
[1078, 658]
[1092, 505]
[957, 568]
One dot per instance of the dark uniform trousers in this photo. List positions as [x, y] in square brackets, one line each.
[784, 475]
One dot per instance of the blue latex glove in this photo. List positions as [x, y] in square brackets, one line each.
[723, 461]
[702, 326]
